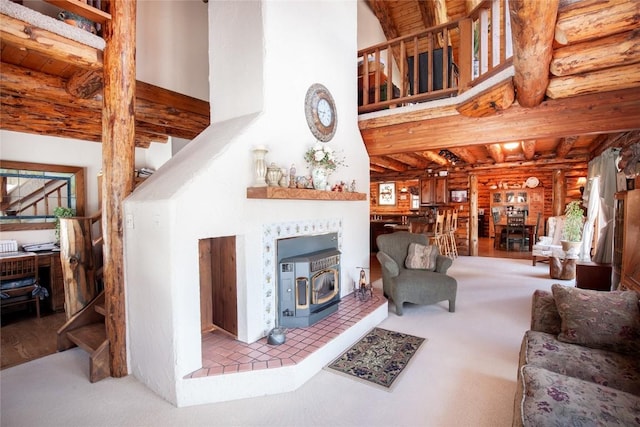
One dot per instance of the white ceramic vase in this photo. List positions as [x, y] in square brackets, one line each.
[319, 176]
[260, 166]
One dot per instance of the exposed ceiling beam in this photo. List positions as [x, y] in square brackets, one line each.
[596, 113]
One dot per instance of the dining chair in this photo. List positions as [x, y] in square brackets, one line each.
[516, 231]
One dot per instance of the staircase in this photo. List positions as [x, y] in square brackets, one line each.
[86, 329]
[81, 258]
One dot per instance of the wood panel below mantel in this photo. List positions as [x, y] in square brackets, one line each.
[301, 194]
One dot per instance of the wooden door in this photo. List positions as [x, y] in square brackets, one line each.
[218, 284]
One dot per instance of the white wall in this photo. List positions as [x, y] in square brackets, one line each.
[282, 48]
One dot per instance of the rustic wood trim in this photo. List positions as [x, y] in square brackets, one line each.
[622, 77]
[301, 194]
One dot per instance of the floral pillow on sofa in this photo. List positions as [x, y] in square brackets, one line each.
[421, 257]
[606, 320]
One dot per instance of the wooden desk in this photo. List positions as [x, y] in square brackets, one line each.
[50, 272]
[530, 228]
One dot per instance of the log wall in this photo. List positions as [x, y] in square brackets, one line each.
[487, 179]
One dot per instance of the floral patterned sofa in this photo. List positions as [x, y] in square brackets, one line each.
[580, 361]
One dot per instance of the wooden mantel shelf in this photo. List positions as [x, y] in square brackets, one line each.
[301, 194]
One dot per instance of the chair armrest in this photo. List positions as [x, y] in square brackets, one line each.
[387, 263]
[443, 263]
[544, 314]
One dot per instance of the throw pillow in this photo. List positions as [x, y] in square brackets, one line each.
[606, 320]
[421, 257]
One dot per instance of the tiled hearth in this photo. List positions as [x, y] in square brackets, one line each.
[222, 354]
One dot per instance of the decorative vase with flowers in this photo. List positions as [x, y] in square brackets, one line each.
[322, 161]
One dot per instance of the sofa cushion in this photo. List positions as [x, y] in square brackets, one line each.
[607, 320]
[544, 314]
[607, 368]
[421, 257]
[552, 399]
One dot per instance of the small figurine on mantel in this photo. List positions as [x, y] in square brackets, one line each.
[292, 176]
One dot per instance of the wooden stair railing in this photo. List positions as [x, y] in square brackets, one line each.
[86, 329]
[81, 258]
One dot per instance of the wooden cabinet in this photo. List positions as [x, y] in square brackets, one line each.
[629, 228]
[433, 191]
[529, 200]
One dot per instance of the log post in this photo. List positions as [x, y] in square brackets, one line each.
[558, 193]
[532, 24]
[473, 214]
[118, 151]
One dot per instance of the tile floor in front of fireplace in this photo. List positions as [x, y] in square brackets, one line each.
[222, 354]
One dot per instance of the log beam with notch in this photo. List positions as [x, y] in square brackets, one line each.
[489, 102]
[532, 25]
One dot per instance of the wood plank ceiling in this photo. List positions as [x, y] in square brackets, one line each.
[593, 93]
[51, 85]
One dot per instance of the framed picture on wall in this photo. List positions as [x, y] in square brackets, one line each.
[387, 194]
[459, 196]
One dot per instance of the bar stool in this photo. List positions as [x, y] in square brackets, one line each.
[438, 233]
[453, 248]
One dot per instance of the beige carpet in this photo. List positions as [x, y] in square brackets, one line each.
[465, 376]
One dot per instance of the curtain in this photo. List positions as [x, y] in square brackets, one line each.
[593, 212]
[603, 167]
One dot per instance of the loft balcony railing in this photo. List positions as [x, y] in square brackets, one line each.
[451, 58]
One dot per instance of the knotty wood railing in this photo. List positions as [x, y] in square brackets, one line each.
[451, 58]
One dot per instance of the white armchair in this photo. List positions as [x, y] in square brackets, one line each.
[549, 245]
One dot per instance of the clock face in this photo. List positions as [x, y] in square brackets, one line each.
[320, 112]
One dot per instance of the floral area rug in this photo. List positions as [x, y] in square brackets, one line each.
[379, 357]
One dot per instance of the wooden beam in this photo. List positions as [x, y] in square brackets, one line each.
[388, 163]
[42, 118]
[565, 146]
[427, 13]
[473, 215]
[593, 19]
[490, 101]
[180, 115]
[118, 163]
[434, 157]
[381, 10]
[496, 152]
[588, 114]
[542, 164]
[610, 79]
[411, 159]
[85, 84]
[529, 148]
[464, 154]
[618, 49]
[26, 36]
[532, 25]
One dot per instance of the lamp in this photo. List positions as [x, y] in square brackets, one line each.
[404, 190]
[449, 156]
[510, 145]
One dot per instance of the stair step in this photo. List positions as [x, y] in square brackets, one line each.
[99, 307]
[89, 337]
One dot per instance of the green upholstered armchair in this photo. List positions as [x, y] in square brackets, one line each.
[417, 286]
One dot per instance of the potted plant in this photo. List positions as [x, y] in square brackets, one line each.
[62, 212]
[572, 229]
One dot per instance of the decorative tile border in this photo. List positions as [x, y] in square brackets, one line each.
[282, 230]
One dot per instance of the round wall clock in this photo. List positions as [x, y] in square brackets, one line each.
[320, 111]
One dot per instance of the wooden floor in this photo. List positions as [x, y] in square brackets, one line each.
[25, 337]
